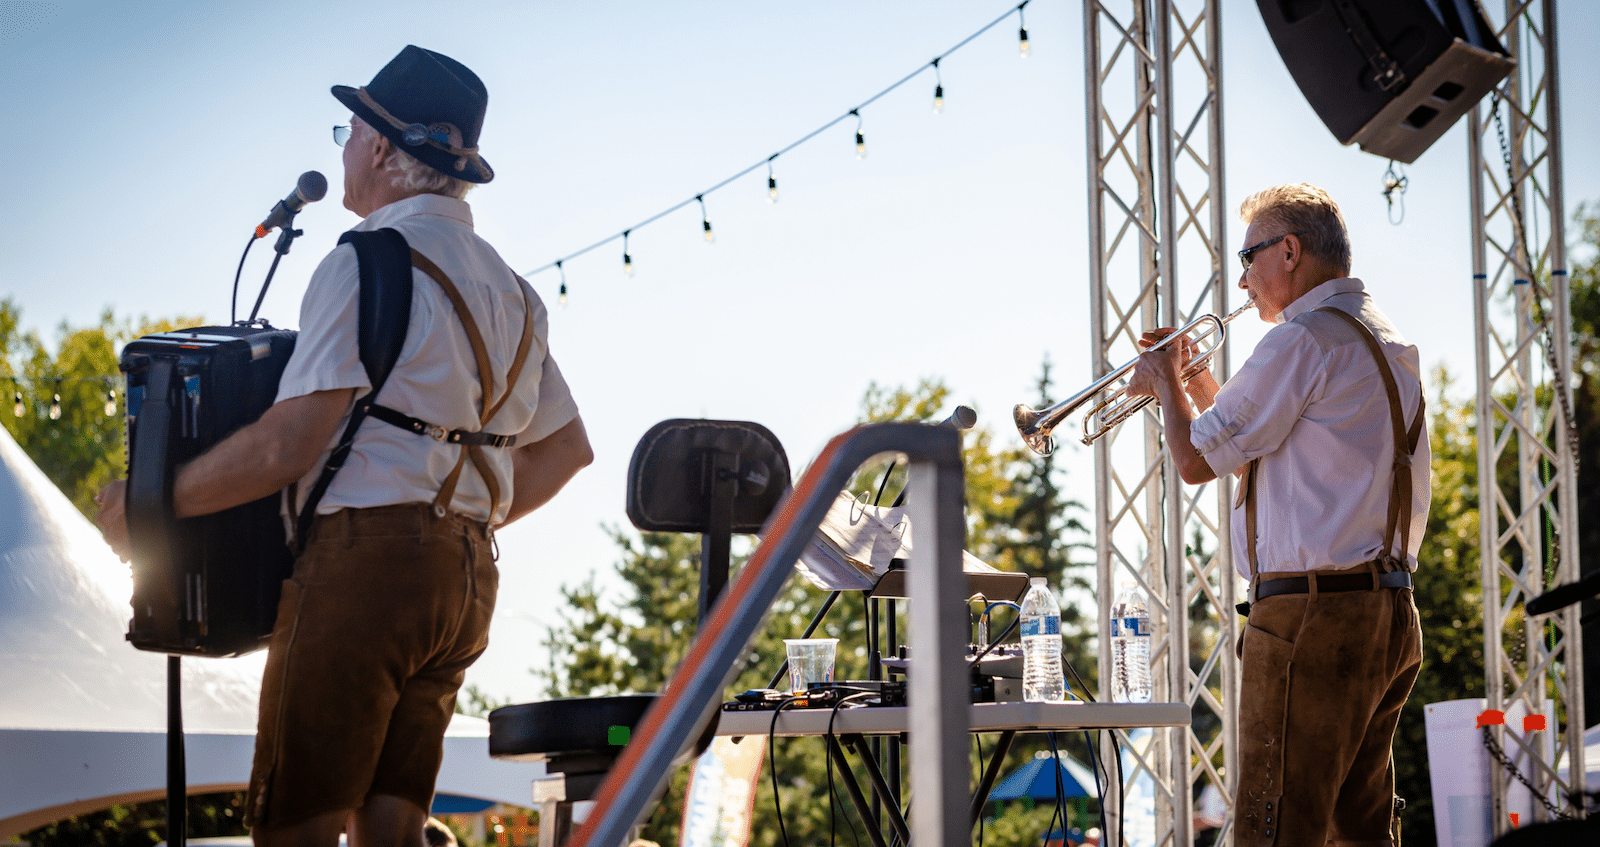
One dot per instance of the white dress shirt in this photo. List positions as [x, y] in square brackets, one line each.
[1310, 403]
[435, 378]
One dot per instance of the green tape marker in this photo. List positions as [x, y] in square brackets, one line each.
[617, 736]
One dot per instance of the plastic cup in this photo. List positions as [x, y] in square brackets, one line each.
[810, 660]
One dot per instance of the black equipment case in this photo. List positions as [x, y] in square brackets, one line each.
[205, 586]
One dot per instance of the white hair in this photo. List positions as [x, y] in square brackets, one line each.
[411, 174]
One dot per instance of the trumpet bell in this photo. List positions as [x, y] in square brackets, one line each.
[1027, 421]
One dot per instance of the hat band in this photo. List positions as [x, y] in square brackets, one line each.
[423, 135]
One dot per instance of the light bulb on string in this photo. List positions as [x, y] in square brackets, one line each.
[18, 407]
[861, 140]
[55, 407]
[772, 182]
[1022, 31]
[938, 89]
[705, 222]
[111, 402]
[562, 299]
[627, 258]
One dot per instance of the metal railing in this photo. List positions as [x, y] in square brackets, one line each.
[937, 695]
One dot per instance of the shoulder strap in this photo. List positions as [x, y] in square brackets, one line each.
[491, 405]
[1405, 442]
[383, 260]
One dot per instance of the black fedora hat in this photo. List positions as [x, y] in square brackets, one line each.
[428, 105]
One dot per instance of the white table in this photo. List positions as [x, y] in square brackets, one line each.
[850, 726]
[982, 717]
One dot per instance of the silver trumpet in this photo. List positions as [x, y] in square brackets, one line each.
[1035, 425]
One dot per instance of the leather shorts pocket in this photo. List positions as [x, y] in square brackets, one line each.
[1263, 711]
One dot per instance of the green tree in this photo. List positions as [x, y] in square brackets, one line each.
[1449, 601]
[142, 824]
[1585, 299]
[64, 394]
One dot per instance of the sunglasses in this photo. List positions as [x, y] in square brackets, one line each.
[1246, 253]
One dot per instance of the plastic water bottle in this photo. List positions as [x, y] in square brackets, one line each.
[1042, 681]
[1130, 646]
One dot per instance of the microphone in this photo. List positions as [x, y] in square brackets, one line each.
[312, 187]
[1563, 596]
[961, 419]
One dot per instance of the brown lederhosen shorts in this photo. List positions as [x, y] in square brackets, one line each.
[1324, 678]
[385, 611]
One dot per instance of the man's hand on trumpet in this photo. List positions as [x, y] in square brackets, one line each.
[1164, 367]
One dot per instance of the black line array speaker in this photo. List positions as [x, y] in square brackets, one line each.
[1389, 75]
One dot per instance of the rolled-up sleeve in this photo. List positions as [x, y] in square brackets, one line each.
[554, 407]
[326, 353]
[1255, 411]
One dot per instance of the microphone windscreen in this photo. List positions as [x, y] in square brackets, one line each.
[313, 186]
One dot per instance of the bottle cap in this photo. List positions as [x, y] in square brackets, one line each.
[1036, 580]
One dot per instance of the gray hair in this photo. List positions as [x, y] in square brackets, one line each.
[415, 177]
[1306, 211]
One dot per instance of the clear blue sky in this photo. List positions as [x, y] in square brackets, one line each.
[146, 139]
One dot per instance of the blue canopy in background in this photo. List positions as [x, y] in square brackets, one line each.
[1037, 779]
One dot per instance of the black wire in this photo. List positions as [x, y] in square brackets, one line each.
[1094, 750]
[772, 766]
[832, 789]
[1061, 792]
[1099, 768]
[993, 642]
[767, 159]
[889, 470]
[233, 305]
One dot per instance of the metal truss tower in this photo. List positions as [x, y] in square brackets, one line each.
[1527, 444]
[1156, 245]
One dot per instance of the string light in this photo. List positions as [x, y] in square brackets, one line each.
[938, 89]
[20, 405]
[705, 222]
[1022, 30]
[772, 181]
[563, 298]
[627, 258]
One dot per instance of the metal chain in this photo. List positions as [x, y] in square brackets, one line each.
[1395, 183]
[1511, 768]
[1519, 228]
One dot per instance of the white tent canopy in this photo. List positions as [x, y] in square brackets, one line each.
[83, 714]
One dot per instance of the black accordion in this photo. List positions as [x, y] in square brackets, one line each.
[204, 586]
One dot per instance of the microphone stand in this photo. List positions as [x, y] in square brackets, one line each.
[286, 236]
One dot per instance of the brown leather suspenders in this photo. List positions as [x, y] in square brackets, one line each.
[1405, 444]
[491, 405]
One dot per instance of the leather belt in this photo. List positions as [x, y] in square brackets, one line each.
[1330, 583]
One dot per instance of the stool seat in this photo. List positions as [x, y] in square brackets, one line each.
[555, 729]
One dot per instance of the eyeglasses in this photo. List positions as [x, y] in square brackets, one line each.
[1246, 253]
[412, 135]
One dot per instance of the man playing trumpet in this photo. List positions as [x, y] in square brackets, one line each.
[1323, 425]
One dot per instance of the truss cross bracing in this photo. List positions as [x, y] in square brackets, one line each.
[1153, 70]
[1526, 442]
[1156, 258]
